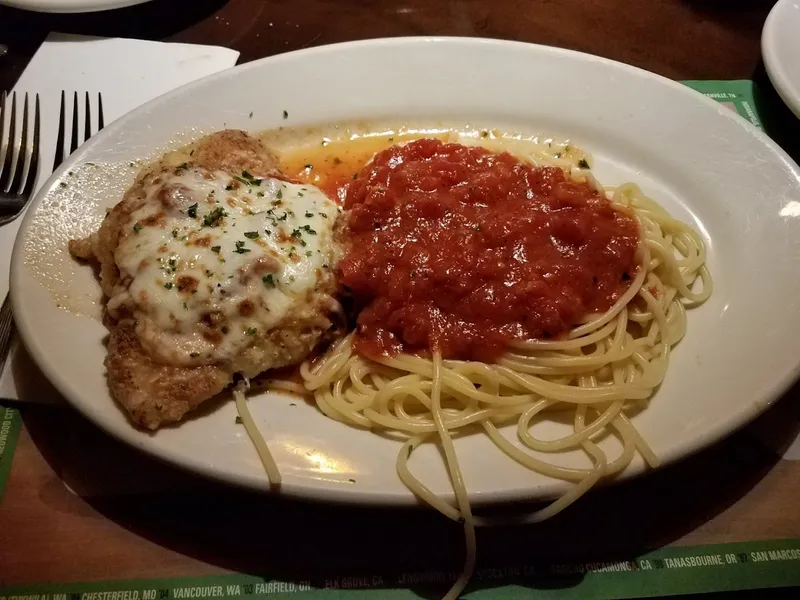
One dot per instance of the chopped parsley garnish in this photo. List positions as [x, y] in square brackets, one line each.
[355, 175]
[229, 187]
[268, 280]
[182, 166]
[248, 179]
[238, 420]
[308, 167]
[251, 178]
[566, 148]
[279, 195]
[251, 331]
[307, 229]
[253, 235]
[291, 277]
[185, 307]
[583, 163]
[192, 212]
[194, 354]
[172, 263]
[137, 228]
[557, 155]
[484, 133]
[174, 233]
[260, 194]
[323, 215]
[216, 249]
[285, 114]
[297, 234]
[240, 249]
[213, 218]
[309, 253]
[309, 215]
[168, 285]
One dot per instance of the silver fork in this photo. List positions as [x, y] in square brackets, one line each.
[6, 320]
[87, 124]
[16, 186]
[21, 164]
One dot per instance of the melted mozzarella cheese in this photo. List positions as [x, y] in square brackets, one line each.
[211, 260]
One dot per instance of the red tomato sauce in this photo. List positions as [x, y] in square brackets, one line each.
[461, 250]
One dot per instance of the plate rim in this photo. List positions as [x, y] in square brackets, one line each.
[132, 437]
[71, 6]
[787, 90]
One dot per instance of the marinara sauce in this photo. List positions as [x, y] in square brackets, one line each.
[458, 249]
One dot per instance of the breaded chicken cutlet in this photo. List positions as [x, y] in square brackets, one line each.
[213, 265]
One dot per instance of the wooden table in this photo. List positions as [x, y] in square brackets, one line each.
[681, 39]
[735, 491]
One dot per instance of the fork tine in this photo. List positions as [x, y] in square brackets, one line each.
[74, 144]
[87, 129]
[33, 169]
[100, 123]
[62, 125]
[22, 155]
[6, 174]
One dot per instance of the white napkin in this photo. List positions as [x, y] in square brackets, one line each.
[128, 73]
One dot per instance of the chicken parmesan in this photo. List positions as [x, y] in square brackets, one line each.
[213, 264]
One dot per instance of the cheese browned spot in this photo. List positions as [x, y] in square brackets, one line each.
[187, 283]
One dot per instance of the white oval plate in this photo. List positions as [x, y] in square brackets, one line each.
[701, 161]
[70, 6]
[780, 48]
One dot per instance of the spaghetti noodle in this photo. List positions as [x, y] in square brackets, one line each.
[597, 372]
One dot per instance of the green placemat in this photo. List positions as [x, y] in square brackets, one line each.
[662, 573]
[739, 96]
[10, 425]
